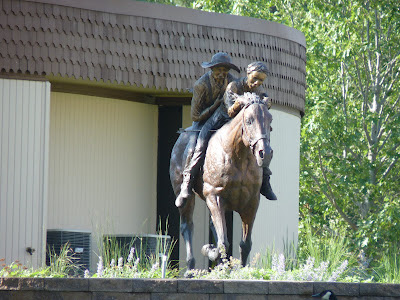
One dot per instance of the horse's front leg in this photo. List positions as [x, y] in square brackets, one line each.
[217, 210]
[247, 227]
[186, 214]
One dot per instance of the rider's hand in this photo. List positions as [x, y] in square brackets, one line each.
[241, 101]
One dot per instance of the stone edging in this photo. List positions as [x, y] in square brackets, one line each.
[96, 288]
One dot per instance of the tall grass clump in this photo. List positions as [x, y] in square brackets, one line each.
[62, 263]
[111, 249]
[331, 248]
[131, 260]
[388, 267]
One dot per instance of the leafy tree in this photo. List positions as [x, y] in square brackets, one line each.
[350, 135]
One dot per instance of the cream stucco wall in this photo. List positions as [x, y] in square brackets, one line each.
[103, 165]
[24, 145]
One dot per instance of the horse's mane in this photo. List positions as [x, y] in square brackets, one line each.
[248, 99]
[251, 98]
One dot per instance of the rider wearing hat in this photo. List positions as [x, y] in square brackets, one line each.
[208, 92]
[257, 72]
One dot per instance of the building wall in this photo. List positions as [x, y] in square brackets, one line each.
[143, 52]
[24, 136]
[103, 165]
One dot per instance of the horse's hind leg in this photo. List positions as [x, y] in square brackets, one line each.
[245, 243]
[218, 218]
[186, 213]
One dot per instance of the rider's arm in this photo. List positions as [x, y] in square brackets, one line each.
[200, 110]
[232, 106]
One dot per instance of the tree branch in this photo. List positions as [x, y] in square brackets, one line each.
[390, 167]
[331, 197]
[385, 141]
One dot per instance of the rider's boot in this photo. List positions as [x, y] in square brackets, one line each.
[266, 188]
[186, 190]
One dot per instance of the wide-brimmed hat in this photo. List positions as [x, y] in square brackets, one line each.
[220, 59]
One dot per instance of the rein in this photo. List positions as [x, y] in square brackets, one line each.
[253, 142]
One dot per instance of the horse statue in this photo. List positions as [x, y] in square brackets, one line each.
[231, 177]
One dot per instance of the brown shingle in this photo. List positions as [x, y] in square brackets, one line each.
[91, 72]
[7, 6]
[31, 65]
[95, 58]
[47, 66]
[26, 7]
[62, 12]
[115, 61]
[76, 71]
[39, 9]
[4, 63]
[23, 64]
[83, 71]
[108, 60]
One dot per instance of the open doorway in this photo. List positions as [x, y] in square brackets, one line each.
[169, 122]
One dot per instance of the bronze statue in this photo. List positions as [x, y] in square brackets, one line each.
[257, 72]
[208, 92]
[232, 174]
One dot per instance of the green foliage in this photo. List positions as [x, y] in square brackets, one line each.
[349, 147]
[15, 269]
[331, 246]
[61, 265]
[388, 269]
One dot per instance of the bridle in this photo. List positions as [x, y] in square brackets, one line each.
[252, 142]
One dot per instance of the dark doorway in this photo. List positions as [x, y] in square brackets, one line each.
[169, 121]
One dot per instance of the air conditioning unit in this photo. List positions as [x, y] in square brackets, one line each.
[78, 241]
[148, 244]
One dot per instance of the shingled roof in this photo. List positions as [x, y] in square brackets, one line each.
[151, 46]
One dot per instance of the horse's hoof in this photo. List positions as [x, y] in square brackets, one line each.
[188, 274]
[210, 251]
[191, 263]
[206, 248]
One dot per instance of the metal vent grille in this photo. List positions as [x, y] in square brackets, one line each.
[148, 244]
[78, 241]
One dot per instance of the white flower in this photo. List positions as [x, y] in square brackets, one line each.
[100, 267]
[120, 262]
[130, 256]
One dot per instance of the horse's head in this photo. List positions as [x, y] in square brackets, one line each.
[256, 128]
